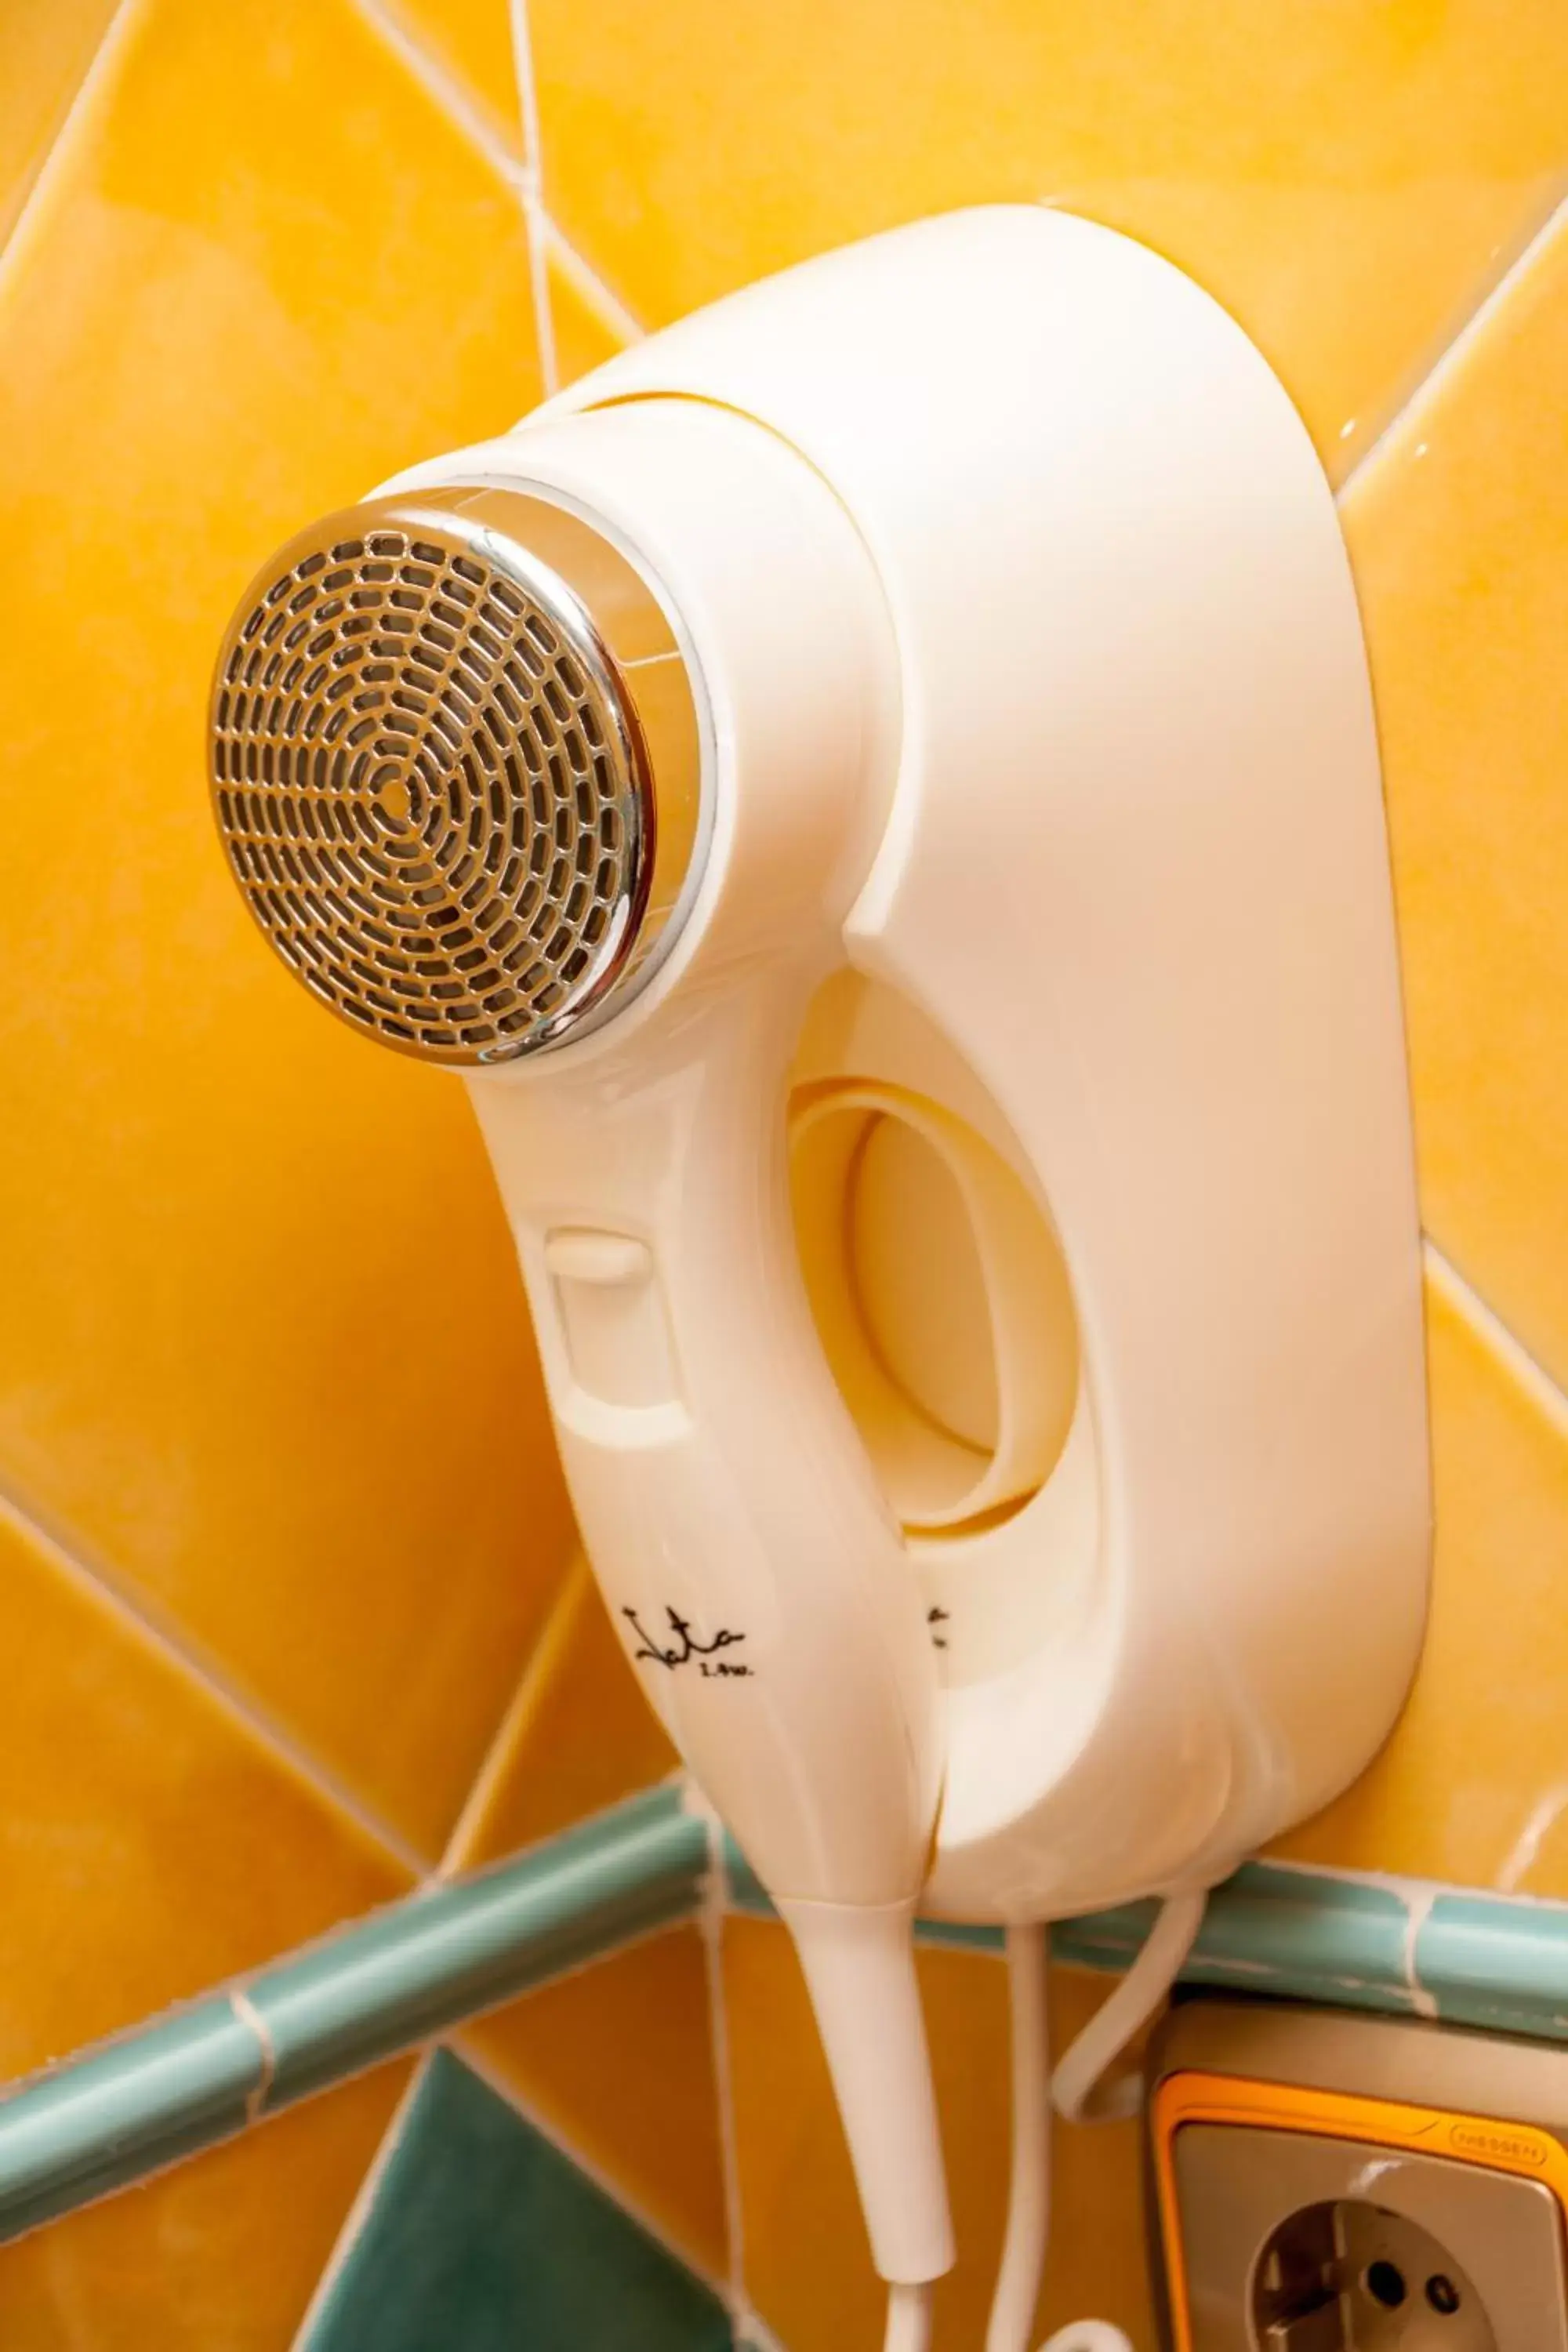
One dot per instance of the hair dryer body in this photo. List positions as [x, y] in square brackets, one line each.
[967, 725]
[1128, 916]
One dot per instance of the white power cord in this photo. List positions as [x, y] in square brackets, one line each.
[1078, 2097]
[909, 2319]
[1029, 2185]
[1081, 2094]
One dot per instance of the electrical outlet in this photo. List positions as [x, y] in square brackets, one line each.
[1334, 2184]
[1349, 2272]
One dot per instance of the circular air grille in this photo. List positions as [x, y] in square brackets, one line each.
[431, 790]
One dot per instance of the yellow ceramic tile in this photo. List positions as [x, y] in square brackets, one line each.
[264, 1345]
[149, 1844]
[579, 1735]
[1458, 532]
[1472, 1786]
[616, 2062]
[584, 337]
[796, 2189]
[1342, 177]
[467, 42]
[221, 2254]
[46, 47]
[471, 40]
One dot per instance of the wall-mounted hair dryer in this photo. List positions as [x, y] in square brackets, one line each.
[909, 722]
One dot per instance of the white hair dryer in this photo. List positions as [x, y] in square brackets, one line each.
[926, 688]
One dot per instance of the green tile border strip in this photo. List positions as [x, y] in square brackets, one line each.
[425, 1964]
[1301, 1935]
[1497, 1962]
[116, 2112]
[125, 2110]
[130, 2106]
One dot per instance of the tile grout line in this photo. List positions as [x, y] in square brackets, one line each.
[590, 288]
[538, 1669]
[1542, 1819]
[179, 1650]
[1418, 1907]
[363, 2205]
[445, 92]
[99, 67]
[1529, 1373]
[1456, 349]
[535, 217]
[522, 175]
[247, 2014]
[496, 2081]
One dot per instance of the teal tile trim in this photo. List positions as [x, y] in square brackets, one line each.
[421, 1966]
[427, 1963]
[129, 2107]
[1503, 1964]
[125, 2110]
[1300, 1934]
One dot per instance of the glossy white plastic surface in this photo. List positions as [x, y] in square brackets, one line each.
[1136, 876]
[941, 1296]
[755, 1572]
[1037, 695]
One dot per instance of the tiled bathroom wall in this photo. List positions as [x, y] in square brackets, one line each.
[294, 1620]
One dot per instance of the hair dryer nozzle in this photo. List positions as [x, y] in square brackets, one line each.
[455, 764]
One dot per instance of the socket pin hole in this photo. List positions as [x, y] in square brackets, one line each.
[1386, 2285]
[1442, 2294]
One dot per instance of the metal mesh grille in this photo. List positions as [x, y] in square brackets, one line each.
[428, 794]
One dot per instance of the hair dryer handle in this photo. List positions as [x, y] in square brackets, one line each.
[757, 1579]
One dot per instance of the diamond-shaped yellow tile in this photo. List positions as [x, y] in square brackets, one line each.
[264, 1347]
[1458, 532]
[151, 1843]
[1344, 178]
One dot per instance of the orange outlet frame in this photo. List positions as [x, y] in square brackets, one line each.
[1195, 2097]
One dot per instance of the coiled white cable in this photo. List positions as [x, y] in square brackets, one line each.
[1080, 2094]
